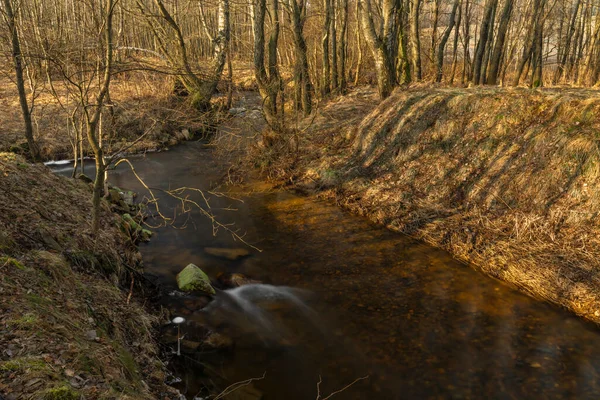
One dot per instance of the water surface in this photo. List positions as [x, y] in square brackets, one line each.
[416, 322]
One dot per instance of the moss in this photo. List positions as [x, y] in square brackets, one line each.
[22, 364]
[10, 366]
[129, 364]
[134, 230]
[86, 364]
[12, 262]
[192, 278]
[61, 393]
[25, 321]
[37, 300]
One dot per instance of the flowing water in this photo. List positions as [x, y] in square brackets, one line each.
[342, 299]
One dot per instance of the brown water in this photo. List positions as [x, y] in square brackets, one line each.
[416, 322]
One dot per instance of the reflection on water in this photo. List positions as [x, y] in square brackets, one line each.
[418, 323]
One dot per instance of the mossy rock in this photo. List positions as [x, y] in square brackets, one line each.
[114, 196]
[61, 393]
[135, 230]
[85, 178]
[192, 279]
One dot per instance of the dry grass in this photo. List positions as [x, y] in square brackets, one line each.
[505, 179]
[58, 283]
[142, 105]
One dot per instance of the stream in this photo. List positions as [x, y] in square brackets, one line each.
[344, 299]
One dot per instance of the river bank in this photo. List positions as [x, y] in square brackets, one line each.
[69, 326]
[505, 180]
[144, 115]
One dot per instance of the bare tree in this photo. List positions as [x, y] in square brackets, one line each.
[268, 77]
[17, 57]
[383, 43]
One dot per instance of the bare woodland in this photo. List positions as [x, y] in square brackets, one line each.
[298, 51]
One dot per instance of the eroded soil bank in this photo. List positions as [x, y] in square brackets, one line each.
[506, 180]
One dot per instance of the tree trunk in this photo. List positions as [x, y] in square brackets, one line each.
[403, 63]
[560, 68]
[34, 151]
[483, 39]
[94, 119]
[334, 49]
[383, 46]
[359, 58]
[444, 40]
[343, 83]
[415, 41]
[492, 78]
[434, 26]
[267, 78]
[326, 74]
[455, 44]
[302, 80]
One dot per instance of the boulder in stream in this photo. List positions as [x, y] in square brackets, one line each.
[193, 279]
[230, 254]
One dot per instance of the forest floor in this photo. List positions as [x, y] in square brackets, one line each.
[67, 327]
[143, 116]
[507, 180]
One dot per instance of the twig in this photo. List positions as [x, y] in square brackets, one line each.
[130, 288]
[232, 388]
[337, 391]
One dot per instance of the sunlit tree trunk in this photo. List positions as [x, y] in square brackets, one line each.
[325, 41]
[484, 33]
[383, 45]
[334, 46]
[415, 41]
[343, 83]
[565, 48]
[267, 78]
[303, 86]
[492, 77]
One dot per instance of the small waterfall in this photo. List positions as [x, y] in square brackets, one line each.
[260, 310]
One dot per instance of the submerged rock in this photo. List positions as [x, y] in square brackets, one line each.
[189, 346]
[230, 254]
[218, 341]
[192, 279]
[235, 280]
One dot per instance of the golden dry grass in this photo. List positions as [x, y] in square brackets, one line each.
[507, 180]
[141, 105]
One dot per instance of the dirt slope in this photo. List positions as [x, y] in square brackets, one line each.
[507, 180]
[66, 329]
